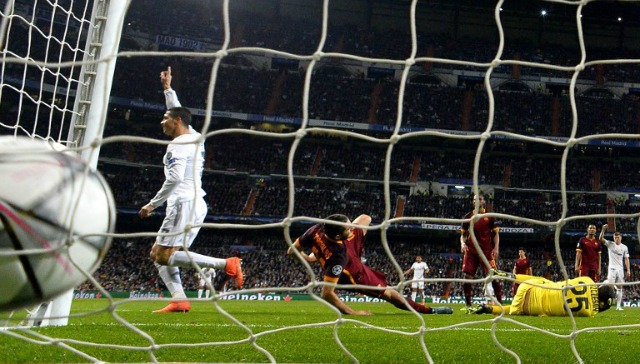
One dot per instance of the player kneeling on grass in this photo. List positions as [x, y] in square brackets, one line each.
[339, 249]
[584, 298]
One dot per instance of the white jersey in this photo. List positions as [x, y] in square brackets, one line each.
[617, 254]
[207, 275]
[179, 161]
[171, 99]
[179, 164]
[419, 269]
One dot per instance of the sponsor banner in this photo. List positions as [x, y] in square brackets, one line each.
[77, 294]
[517, 230]
[229, 296]
[460, 300]
[440, 227]
[360, 298]
[270, 119]
[240, 296]
[177, 42]
[339, 124]
[121, 101]
[615, 143]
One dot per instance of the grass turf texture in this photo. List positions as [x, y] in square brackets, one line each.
[206, 335]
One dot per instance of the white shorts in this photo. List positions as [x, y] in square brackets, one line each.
[203, 283]
[418, 285]
[615, 275]
[178, 216]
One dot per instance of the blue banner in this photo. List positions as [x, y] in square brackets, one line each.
[177, 42]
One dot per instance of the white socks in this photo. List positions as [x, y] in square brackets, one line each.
[170, 274]
[171, 278]
[619, 297]
[413, 296]
[207, 293]
[181, 259]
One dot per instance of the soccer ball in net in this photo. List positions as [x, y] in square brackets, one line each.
[54, 214]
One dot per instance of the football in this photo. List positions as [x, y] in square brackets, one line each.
[55, 215]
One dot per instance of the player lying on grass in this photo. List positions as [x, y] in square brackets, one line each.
[584, 299]
[339, 249]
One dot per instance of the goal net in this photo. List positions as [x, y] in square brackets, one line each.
[398, 110]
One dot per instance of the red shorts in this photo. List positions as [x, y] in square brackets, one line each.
[471, 262]
[591, 273]
[361, 274]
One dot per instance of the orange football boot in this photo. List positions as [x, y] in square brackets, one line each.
[178, 306]
[234, 270]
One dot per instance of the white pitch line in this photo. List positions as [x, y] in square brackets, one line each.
[398, 328]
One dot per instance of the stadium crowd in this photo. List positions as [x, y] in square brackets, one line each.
[245, 87]
[252, 181]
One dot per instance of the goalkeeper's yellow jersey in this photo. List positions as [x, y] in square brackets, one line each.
[582, 300]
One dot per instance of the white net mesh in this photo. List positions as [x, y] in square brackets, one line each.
[421, 105]
[38, 39]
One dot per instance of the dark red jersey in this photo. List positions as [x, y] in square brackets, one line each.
[332, 255]
[355, 246]
[483, 230]
[357, 272]
[522, 266]
[591, 250]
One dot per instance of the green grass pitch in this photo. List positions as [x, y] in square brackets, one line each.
[305, 331]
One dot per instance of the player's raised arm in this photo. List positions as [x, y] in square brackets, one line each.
[364, 220]
[604, 228]
[170, 96]
[165, 78]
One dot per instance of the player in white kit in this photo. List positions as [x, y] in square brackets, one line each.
[183, 193]
[205, 281]
[618, 261]
[419, 268]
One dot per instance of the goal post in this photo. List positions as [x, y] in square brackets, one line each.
[96, 77]
[99, 23]
[91, 105]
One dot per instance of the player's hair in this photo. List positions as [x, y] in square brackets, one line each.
[181, 112]
[606, 295]
[616, 233]
[335, 231]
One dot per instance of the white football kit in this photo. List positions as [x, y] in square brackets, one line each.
[617, 256]
[207, 276]
[418, 273]
[182, 188]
